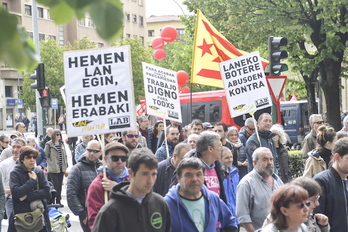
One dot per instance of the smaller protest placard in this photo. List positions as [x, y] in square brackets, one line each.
[245, 84]
[161, 92]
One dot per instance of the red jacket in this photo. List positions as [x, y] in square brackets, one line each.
[95, 198]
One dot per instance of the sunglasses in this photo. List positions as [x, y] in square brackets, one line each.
[302, 205]
[59, 134]
[317, 199]
[30, 157]
[252, 129]
[116, 158]
[319, 122]
[92, 150]
[132, 136]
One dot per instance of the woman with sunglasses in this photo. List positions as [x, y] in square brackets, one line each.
[156, 132]
[321, 157]
[56, 163]
[289, 209]
[29, 187]
[316, 222]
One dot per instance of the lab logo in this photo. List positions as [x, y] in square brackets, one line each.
[261, 102]
[119, 122]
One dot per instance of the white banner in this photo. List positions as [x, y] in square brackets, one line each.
[99, 91]
[245, 84]
[161, 92]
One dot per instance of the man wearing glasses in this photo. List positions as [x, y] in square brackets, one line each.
[80, 178]
[246, 131]
[310, 141]
[130, 139]
[4, 142]
[116, 155]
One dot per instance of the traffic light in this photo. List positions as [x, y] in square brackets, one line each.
[45, 100]
[39, 76]
[275, 54]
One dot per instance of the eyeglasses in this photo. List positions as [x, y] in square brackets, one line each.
[317, 199]
[59, 134]
[92, 150]
[116, 158]
[30, 157]
[252, 129]
[6, 142]
[302, 205]
[132, 136]
[28, 141]
[319, 122]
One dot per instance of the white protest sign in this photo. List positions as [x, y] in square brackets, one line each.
[99, 91]
[245, 84]
[161, 92]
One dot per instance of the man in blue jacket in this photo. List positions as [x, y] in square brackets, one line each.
[193, 207]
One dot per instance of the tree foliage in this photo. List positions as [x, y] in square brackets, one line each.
[52, 57]
[316, 30]
[17, 48]
[139, 54]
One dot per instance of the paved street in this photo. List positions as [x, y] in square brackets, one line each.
[75, 224]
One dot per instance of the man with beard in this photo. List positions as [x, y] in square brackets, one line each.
[172, 138]
[255, 189]
[130, 139]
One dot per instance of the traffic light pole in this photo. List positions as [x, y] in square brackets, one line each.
[40, 125]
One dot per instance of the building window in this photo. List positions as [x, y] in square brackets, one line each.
[127, 35]
[52, 37]
[142, 40]
[151, 33]
[134, 18]
[135, 36]
[141, 21]
[30, 34]
[48, 14]
[8, 91]
[40, 12]
[100, 45]
[181, 33]
[127, 17]
[61, 35]
[4, 5]
[90, 22]
[27, 10]
[82, 22]
[41, 36]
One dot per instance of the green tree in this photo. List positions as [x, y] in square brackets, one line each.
[18, 50]
[52, 57]
[316, 30]
[139, 54]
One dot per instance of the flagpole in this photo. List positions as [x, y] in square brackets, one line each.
[190, 101]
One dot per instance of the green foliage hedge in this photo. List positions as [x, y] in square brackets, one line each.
[296, 163]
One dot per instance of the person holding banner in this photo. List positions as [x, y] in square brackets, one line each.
[115, 159]
[263, 137]
[133, 206]
[172, 139]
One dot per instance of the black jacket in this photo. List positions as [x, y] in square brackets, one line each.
[333, 201]
[123, 213]
[44, 141]
[21, 184]
[80, 177]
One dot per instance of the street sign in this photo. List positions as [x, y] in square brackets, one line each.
[54, 103]
[276, 85]
[19, 103]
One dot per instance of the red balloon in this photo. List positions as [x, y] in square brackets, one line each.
[185, 89]
[182, 77]
[159, 54]
[169, 34]
[157, 43]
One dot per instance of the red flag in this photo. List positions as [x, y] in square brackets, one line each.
[210, 48]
